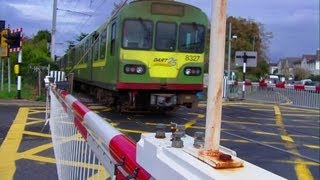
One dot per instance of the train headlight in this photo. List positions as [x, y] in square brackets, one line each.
[192, 71]
[140, 70]
[134, 69]
[187, 71]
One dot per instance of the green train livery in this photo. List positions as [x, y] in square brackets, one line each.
[148, 56]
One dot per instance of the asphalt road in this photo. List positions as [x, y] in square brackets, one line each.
[283, 140]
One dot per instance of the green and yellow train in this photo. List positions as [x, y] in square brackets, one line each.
[150, 55]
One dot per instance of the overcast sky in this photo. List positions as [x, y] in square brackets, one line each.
[294, 23]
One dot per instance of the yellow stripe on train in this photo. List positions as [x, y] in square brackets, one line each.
[162, 64]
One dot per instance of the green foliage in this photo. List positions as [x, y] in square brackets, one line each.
[300, 73]
[314, 77]
[35, 53]
[251, 36]
[26, 91]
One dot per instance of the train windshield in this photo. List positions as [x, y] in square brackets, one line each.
[191, 38]
[137, 34]
[166, 36]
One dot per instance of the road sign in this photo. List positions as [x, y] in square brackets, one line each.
[249, 56]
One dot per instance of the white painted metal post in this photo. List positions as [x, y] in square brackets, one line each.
[53, 33]
[9, 75]
[216, 66]
[19, 75]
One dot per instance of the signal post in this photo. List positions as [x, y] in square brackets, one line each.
[11, 41]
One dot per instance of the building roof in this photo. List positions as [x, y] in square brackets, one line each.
[309, 57]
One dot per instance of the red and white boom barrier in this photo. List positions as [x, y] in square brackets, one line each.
[86, 147]
[115, 151]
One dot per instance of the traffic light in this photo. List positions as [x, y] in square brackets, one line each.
[3, 38]
[13, 39]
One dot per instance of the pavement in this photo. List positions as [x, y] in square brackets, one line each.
[21, 102]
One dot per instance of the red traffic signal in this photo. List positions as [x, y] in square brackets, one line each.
[13, 39]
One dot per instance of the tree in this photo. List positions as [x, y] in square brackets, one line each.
[300, 73]
[251, 36]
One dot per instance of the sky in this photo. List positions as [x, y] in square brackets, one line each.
[294, 23]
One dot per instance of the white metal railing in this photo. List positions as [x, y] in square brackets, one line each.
[297, 95]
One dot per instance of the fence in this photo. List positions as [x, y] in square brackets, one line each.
[297, 95]
[87, 147]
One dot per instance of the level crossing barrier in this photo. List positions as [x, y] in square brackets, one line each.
[88, 147]
[297, 95]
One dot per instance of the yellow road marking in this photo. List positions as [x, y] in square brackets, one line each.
[302, 115]
[102, 173]
[35, 112]
[132, 131]
[11, 144]
[36, 119]
[292, 135]
[260, 109]
[312, 146]
[286, 138]
[35, 122]
[277, 111]
[35, 150]
[302, 170]
[309, 163]
[36, 134]
[265, 133]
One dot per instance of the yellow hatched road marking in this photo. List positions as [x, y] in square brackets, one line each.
[37, 134]
[302, 171]
[35, 122]
[11, 144]
[36, 150]
[132, 131]
[102, 173]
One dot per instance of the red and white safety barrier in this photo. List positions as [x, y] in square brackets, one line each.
[115, 151]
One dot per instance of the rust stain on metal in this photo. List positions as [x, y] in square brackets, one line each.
[219, 160]
[222, 16]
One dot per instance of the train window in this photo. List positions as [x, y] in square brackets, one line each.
[113, 39]
[137, 34]
[191, 38]
[103, 42]
[96, 48]
[166, 36]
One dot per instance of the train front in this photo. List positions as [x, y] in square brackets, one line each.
[162, 54]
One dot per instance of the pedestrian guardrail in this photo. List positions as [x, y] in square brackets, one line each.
[297, 95]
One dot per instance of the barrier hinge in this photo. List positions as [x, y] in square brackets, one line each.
[133, 175]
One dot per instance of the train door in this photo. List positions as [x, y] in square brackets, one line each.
[112, 49]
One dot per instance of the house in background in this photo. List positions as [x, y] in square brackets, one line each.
[273, 68]
[309, 62]
[286, 66]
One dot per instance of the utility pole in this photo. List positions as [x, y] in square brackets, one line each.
[53, 33]
[216, 68]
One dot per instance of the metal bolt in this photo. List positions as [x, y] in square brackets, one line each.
[160, 131]
[198, 140]
[176, 140]
[182, 129]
